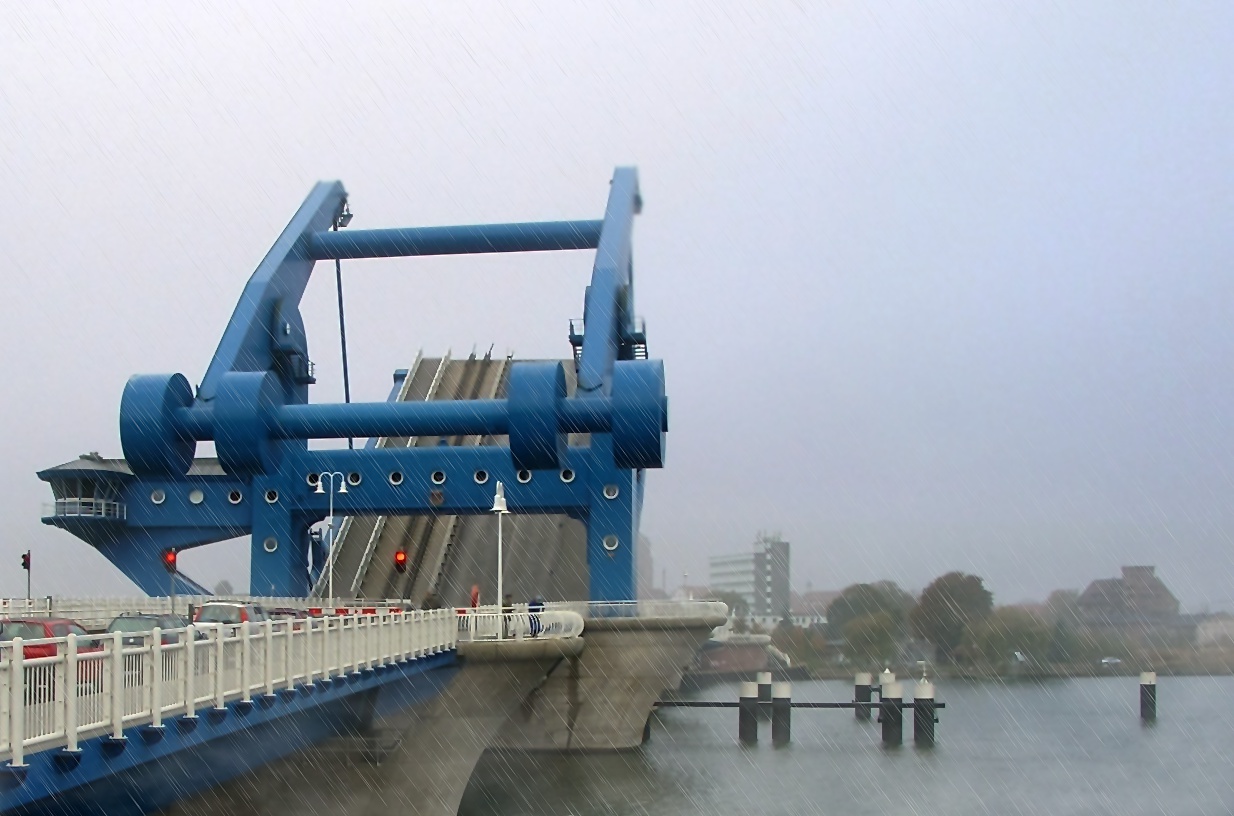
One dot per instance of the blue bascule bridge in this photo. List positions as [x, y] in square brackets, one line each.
[253, 404]
[126, 723]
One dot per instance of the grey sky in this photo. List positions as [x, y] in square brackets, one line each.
[935, 287]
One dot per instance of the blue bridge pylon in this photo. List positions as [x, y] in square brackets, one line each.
[253, 404]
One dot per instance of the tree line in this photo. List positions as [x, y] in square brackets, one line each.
[873, 623]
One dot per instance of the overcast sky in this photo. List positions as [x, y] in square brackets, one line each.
[936, 285]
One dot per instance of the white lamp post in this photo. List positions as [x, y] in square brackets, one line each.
[499, 507]
[342, 489]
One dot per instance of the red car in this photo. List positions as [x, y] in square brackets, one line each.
[42, 628]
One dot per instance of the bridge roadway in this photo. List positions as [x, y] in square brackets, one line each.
[599, 700]
[98, 726]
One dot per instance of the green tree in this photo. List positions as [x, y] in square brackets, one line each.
[947, 607]
[996, 638]
[737, 607]
[871, 638]
[859, 600]
[801, 645]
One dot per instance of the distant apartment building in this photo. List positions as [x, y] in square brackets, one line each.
[760, 577]
[1138, 597]
[1139, 606]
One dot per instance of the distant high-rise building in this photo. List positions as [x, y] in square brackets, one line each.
[644, 569]
[760, 577]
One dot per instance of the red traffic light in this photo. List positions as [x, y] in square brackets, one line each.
[169, 560]
[400, 561]
[25, 560]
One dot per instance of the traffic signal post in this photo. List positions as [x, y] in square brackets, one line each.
[25, 564]
[169, 564]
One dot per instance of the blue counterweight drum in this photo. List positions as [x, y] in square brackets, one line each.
[160, 427]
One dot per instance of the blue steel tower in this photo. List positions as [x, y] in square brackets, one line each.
[253, 404]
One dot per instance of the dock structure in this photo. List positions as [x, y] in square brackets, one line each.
[402, 521]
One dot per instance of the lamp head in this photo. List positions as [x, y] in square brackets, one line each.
[319, 489]
[342, 488]
[499, 500]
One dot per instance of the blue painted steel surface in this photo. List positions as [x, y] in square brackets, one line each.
[149, 771]
[481, 238]
[253, 400]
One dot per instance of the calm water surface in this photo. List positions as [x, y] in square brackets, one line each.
[1055, 747]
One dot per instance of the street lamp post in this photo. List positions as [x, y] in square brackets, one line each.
[342, 489]
[499, 507]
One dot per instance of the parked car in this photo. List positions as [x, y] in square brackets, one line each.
[43, 628]
[220, 614]
[139, 624]
[288, 613]
[40, 682]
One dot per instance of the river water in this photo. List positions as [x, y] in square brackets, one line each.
[1049, 747]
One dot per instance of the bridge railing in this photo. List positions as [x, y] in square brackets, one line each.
[91, 508]
[56, 692]
[518, 623]
[644, 609]
[96, 613]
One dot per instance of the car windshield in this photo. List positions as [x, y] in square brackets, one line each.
[25, 631]
[219, 613]
[133, 624]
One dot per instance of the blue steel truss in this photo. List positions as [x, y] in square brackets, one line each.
[253, 404]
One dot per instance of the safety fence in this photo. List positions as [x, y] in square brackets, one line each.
[518, 623]
[644, 609]
[56, 692]
[95, 613]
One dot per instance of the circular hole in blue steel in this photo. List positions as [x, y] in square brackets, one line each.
[480, 476]
[396, 477]
[353, 478]
[235, 497]
[611, 491]
[567, 475]
[158, 496]
[610, 542]
[438, 477]
[272, 496]
[196, 496]
[270, 544]
[524, 476]
[313, 479]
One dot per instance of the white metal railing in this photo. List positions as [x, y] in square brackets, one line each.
[92, 508]
[518, 623]
[96, 613]
[59, 691]
[644, 609]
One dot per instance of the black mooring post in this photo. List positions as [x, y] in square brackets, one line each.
[890, 698]
[1148, 696]
[747, 714]
[923, 714]
[862, 695]
[781, 713]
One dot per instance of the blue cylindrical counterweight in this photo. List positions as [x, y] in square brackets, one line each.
[160, 423]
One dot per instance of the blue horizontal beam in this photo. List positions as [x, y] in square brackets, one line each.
[534, 236]
[374, 419]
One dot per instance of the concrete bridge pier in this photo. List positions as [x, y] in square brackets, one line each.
[600, 699]
[416, 762]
